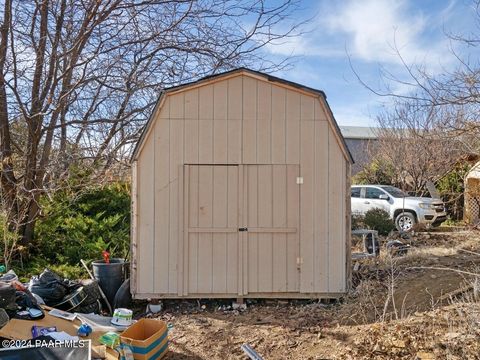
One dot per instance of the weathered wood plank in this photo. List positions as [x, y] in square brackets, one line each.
[176, 151]
[205, 219]
[293, 109]
[321, 221]
[265, 219]
[220, 130]
[279, 231]
[146, 221]
[278, 125]
[252, 221]
[234, 123]
[205, 130]
[264, 123]
[191, 126]
[336, 203]
[249, 137]
[293, 239]
[306, 206]
[220, 219]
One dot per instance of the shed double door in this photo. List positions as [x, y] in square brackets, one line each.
[240, 229]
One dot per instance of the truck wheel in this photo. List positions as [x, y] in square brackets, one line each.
[405, 222]
[90, 288]
[89, 308]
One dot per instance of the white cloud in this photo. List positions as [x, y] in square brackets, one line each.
[373, 31]
[292, 46]
[380, 30]
[377, 27]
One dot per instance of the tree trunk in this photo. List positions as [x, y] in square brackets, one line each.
[7, 176]
[27, 228]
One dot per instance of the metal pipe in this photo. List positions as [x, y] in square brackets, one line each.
[252, 354]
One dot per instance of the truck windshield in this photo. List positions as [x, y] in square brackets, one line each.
[395, 192]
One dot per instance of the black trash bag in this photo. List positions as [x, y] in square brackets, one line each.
[7, 296]
[123, 297]
[27, 307]
[51, 287]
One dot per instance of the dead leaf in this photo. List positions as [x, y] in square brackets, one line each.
[422, 355]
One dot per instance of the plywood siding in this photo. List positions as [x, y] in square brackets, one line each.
[264, 123]
[336, 219]
[161, 199]
[192, 126]
[241, 120]
[146, 221]
[272, 205]
[212, 223]
[279, 130]
[205, 127]
[320, 196]
[234, 120]
[307, 207]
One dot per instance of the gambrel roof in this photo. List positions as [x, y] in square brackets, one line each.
[257, 75]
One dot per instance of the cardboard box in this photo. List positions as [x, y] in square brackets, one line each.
[147, 339]
[18, 329]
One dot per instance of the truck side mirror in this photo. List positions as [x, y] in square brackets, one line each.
[383, 197]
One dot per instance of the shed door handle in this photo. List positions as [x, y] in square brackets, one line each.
[243, 229]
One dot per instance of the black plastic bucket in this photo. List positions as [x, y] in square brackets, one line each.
[110, 276]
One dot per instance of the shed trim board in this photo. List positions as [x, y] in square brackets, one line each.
[348, 227]
[267, 295]
[240, 188]
[133, 230]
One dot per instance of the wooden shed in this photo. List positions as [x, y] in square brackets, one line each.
[241, 188]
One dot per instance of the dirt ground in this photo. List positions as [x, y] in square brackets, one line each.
[408, 307]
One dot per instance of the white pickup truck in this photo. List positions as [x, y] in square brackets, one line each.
[405, 210]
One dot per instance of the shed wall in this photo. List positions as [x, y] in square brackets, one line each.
[240, 120]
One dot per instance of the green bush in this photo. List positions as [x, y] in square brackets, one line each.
[377, 172]
[79, 226]
[378, 219]
[37, 264]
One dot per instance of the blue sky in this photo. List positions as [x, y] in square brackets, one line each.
[369, 31]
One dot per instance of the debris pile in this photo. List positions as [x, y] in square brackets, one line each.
[64, 310]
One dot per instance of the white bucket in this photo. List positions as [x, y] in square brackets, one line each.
[122, 317]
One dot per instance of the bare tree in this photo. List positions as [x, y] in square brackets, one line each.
[426, 130]
[78, 78]
[412, 147]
